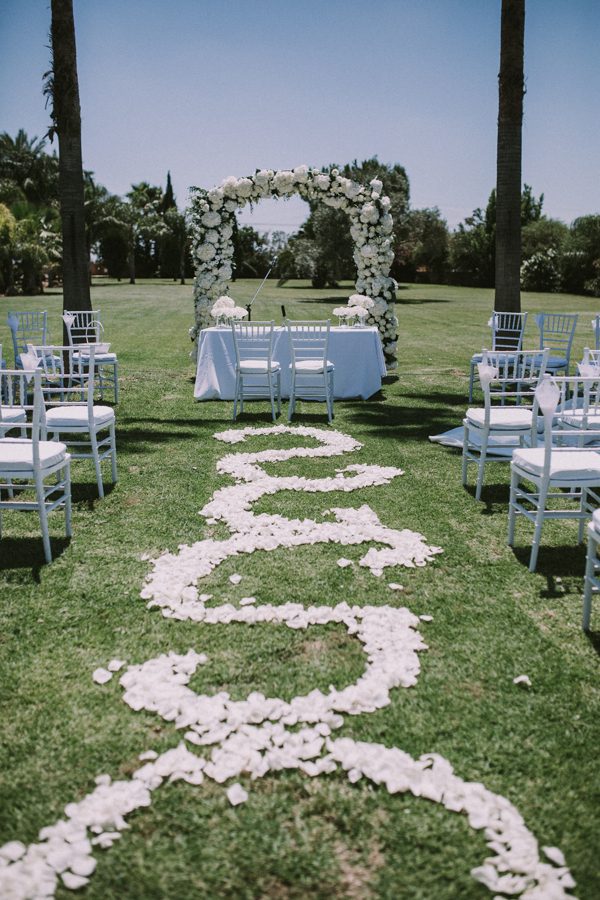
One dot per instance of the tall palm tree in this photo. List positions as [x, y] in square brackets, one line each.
[63, 88]
[508, 171]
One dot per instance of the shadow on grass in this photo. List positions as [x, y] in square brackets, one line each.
[564, 561]
[494, 497]
[28, 553]
[594, 640]
[86, 493]
[415, 301]
[399, 422]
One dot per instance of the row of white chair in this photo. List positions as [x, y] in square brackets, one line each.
[83, 328]
[257, 374]
[50, 403]
[556, 332]
[520, 396]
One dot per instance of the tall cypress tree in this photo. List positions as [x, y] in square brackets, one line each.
[168, 201]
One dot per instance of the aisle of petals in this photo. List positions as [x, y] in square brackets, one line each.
[263, 734]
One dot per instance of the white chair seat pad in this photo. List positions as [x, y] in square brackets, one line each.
[77, 416]
[98, 358]
[556, 362]
[258, 366]
[313, 366]
[596, 520]
[16, 454]
[575, 420]
[502, 417]
[12, 414]
[567, 465]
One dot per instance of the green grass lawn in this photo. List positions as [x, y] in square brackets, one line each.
[492, 620]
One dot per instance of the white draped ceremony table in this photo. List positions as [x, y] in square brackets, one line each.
[356, 353]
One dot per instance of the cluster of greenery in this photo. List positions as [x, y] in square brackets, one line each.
[298, 837]
[143, 233]
[555, 256]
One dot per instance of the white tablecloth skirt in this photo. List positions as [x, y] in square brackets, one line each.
[356, 353]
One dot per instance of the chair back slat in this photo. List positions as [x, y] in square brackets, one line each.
[83, 326]
[508, 329]
[18, 395]
[309, 339]
[253, 341]
[557, 331]
[27, 328]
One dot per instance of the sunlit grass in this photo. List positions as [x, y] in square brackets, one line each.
[492, 620]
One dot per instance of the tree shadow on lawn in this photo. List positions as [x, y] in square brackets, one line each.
[28, 553]
[416, 301]
[403, 422]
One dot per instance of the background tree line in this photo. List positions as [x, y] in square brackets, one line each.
[144, 234]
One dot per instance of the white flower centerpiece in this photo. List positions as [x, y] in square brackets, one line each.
[211, 219]
[356, 311]
[224, 310]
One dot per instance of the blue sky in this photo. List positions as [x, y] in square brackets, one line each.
[210, 88]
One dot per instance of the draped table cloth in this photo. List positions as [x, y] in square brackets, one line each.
[356, 353]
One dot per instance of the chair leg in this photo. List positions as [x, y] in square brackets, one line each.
[235, 396]
[95, 454]
[539, 521]
[279, 393]
[465, 460]
[512, 508]
[272, 398]
[67, 477]
[292, 403]
[113, 449]
[481, 465]
[43, 513]
[582, 506]
[98, 372]
[590, 564]
[471, 380]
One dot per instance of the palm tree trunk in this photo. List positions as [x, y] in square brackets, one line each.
[508, 172]
[67, 118]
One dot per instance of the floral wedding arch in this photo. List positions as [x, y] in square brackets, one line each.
[212, 218]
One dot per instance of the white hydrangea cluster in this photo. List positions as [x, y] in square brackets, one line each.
[358, 307]
[211, 219]
[224, 310]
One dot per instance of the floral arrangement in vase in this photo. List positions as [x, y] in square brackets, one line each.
[224, 310]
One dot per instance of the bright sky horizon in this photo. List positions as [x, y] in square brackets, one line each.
[207, 89]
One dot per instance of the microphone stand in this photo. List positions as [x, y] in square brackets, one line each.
[259, 288]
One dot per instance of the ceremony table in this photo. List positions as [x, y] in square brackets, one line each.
[356, 353]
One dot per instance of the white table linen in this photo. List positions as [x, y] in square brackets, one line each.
[356, 353]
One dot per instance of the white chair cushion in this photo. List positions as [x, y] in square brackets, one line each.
[258, 366]
[99, 357]
[596, 520]
[12, 414]
[556, 362]
[566, 465]
[502, 417]
[77, 416]
[575, 420]
[16, 454]
[312, 366]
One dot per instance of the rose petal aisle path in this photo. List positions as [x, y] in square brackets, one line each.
[259, 734]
